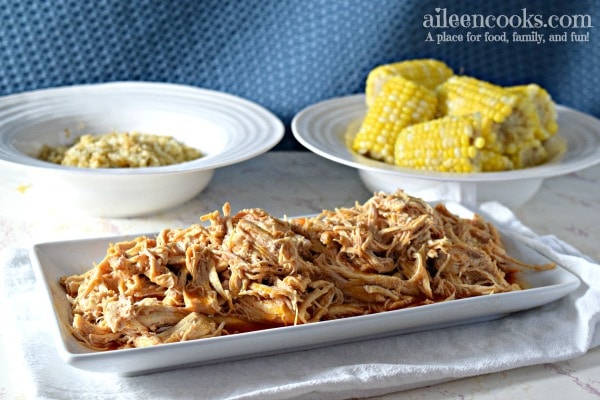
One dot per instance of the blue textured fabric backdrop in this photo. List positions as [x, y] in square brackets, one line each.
[282, 54]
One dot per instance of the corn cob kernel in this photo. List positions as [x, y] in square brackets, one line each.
[427, 72]
[509, 120]
[447, 144]
[529, 155]
[401, 103]
[518, 131]
[494, 162]
[461, 95]
[544, 106]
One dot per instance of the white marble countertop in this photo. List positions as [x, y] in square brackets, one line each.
[296, 183]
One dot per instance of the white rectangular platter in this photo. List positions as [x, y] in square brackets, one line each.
[53, 260]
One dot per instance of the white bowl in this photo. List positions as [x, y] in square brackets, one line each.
[326, 128]
[225, 128]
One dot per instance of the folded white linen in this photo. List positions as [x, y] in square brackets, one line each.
[557, 331]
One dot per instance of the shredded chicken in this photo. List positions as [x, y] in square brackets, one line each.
[251, 271]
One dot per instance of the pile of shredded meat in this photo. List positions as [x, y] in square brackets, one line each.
[249, 271]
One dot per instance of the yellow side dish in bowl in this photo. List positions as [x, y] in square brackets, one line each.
[120, 150]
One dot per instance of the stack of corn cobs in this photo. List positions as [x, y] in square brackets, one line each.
[421, 115]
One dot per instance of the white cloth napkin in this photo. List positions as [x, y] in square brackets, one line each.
[558, 331]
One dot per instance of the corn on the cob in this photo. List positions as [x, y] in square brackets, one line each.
[508, 127]
[494, 162]
[427, 72]
[401, 103]
[544, 107]
[530, 156]
[509, 121]
[447, 144]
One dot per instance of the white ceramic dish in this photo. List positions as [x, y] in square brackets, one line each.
[323, 128]
[225, 128]
[56, 259]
